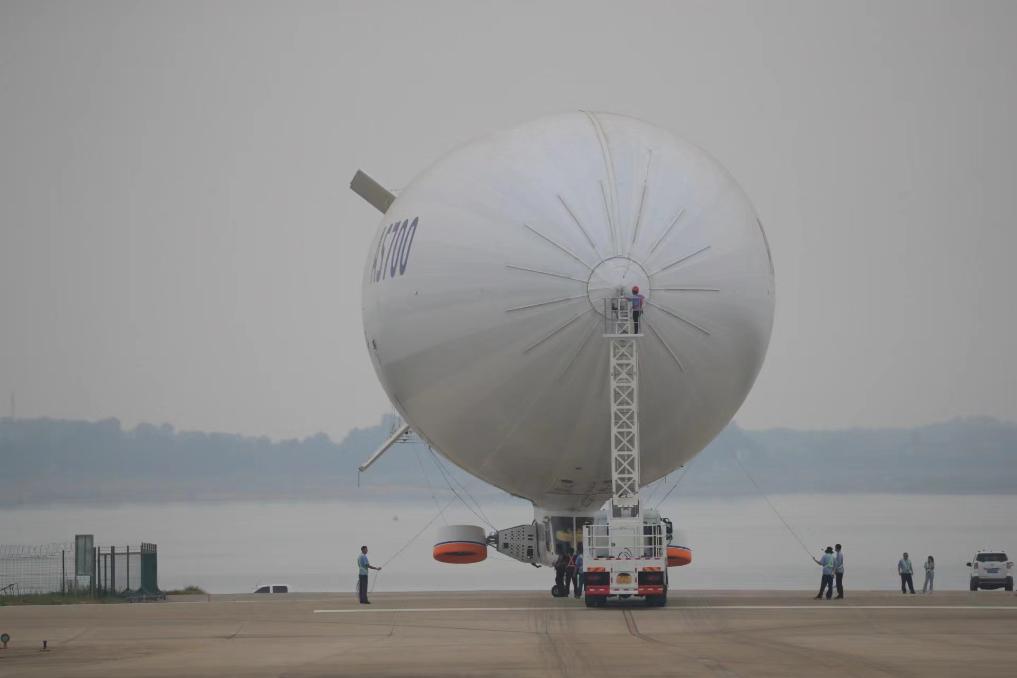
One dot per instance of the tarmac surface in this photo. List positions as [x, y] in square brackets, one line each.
[702, 633]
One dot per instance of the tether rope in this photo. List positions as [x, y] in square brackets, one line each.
[427, 478]
[448, 481]
[412, 539]
[772, 507]
[685, 472]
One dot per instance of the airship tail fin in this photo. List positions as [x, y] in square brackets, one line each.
[371, 191]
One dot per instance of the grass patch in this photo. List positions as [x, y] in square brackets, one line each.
[187, 591]
[57, 599]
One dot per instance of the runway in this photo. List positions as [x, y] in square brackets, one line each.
[704, 633]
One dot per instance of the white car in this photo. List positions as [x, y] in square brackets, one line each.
[272, 588]
[991, 570]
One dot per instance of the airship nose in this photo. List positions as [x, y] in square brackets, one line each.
[614, 276]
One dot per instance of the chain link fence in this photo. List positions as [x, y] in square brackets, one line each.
[45, 568]
[58, 568]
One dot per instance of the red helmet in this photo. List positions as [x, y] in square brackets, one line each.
[635, 289]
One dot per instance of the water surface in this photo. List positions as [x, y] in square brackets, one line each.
[738, 543]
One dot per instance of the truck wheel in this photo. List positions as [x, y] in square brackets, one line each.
[656, 601]
[974, 583]
[1009, 584]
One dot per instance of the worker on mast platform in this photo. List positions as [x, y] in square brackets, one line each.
[636, 299]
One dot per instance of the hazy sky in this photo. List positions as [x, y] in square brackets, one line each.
[178, 242]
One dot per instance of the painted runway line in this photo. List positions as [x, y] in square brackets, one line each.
[1011, 608]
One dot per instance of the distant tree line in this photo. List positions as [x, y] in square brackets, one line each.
[49, 460]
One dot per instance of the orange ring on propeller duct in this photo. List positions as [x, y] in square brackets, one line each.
[678, 555]
[460, 552]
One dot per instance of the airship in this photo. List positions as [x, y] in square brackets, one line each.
[498, 298]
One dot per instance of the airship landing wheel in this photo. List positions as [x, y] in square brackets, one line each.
[556, 591]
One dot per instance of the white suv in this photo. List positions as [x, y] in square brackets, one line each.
[991, 570]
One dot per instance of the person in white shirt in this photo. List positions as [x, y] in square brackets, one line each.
[930, 574]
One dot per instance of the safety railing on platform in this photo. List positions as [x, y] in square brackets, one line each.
[618, 317]
[622, 543]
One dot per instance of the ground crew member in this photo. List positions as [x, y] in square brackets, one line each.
[363, 565]
[838, 569]
[636, 299]
[581, 581]
[930, 574]
[905, 571]
[571, 578]
[826, 583]
[559, 571]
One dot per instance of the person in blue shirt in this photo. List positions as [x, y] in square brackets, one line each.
[905, 570]
[828, 563]
[636, 299]
[363, 566]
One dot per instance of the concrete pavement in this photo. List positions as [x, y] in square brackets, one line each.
[520, 634]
